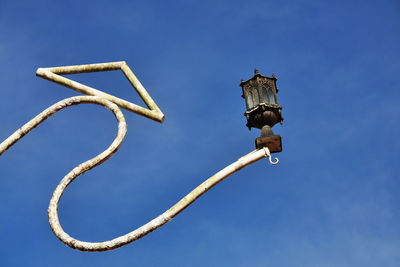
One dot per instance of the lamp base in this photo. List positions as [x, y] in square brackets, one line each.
[274, 143]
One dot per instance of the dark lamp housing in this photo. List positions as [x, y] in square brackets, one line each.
[262, 109]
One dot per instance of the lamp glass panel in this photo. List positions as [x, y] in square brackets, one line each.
[256, 98]
[250, 99]
[271, 96]
[265, 95]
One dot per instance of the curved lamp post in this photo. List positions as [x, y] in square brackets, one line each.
[260, 114]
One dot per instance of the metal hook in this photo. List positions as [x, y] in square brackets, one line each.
[268, 155]
[274, 162]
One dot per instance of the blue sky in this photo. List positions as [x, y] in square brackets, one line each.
[331, 201]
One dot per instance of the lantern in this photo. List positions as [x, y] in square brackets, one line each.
[262, 109]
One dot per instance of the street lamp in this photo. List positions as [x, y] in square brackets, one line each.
[262, 109]
[262, 112]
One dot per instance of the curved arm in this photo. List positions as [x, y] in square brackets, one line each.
[151, 225]
[82, 168]
[76, 100]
